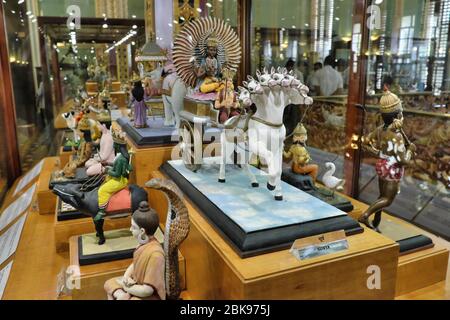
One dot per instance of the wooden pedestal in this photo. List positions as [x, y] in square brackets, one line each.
[119, 98]
[215, 271]
[146, 160]
[46, 199]
[64, 156]
[66, 229]
[93, 277]
[419, 269]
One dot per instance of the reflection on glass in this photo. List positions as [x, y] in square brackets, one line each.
[313, 38]
[409, 54]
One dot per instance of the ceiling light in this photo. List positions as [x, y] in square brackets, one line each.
[105, 26]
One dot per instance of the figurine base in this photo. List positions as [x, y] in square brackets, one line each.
[251, 220]
[156, 134]
[68, 223]
[306, 184]
[120, 244]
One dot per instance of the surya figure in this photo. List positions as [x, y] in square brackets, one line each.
[209, 70]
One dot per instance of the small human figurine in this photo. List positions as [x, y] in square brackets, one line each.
[140, 108]
[84, 152]
[299, 154]
[144, 279]
[116, 177]
[394, 151]
[105, 95]
[209, 70]
[226, 100]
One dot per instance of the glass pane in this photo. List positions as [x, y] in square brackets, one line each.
[409, 55]
[314, 39]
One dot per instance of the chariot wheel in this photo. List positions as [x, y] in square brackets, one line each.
[191, 145]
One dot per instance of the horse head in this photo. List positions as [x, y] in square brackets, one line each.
[276, 77]
[263, 77]
[253, 86]
[244, 97]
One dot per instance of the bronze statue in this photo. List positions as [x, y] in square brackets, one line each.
[394, 151]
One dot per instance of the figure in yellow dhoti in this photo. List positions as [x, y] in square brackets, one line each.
[117, 176]
[301, 158]
[209, 70]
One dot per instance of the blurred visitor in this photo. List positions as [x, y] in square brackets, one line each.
[310, 80]
[290, 66]
[342, 67]
[328, 81]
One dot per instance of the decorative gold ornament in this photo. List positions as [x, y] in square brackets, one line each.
[300, 130]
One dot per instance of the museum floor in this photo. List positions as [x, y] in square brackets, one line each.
[37, 267]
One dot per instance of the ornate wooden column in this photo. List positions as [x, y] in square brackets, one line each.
[244, 33]
[7, 107]
[356, 96]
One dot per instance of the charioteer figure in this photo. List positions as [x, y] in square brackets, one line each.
[300, 155]
[390, 144]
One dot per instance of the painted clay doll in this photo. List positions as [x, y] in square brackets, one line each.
[300, 156]
[209, 70]
[144, 279]
[116, 177]
[84, 151]
[140, 108]
[226, 100]
[394, 151]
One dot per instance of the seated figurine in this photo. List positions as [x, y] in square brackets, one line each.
[299, 154]
[83, 153]
[116, 177]
[226, 100]
[104, 157]
[209, 70]
[145, 277]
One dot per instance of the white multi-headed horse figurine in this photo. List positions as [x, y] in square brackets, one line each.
[265, 136]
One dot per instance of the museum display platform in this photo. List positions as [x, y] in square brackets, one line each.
[46, 199]
[91, 278]
[157, 134]
[413, 264]
[237, 278]
[215, 271]
[250, 219]
[73, 223]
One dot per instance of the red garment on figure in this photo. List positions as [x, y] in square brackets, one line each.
[119, 202]
[388, 172]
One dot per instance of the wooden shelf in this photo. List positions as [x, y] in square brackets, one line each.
[46, 198]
